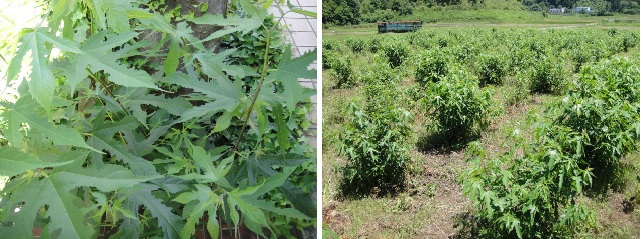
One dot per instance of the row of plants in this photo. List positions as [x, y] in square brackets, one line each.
[543, 56]
[145, 127]
[536, 188]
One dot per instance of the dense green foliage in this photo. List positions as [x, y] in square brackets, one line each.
[432, 66]
[530, 191]
[374, 143]
[577, 150]
[491, 68]
[340, 12]
[147, 138]
[355, 44]
[249, 47]
[396, 52]
[345, 12]
[343, 72]
[457, 107]
[603, 106]
[546, 76]
[569, 151]
[379, 72]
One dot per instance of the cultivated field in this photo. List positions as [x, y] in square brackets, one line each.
[492, 132]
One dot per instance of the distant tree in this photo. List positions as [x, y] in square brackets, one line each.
[340, 12]
[599, 7]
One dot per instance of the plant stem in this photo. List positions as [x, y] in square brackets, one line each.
[254, 97]
[108, 91]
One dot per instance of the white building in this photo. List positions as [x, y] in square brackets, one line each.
[582, 10]
[557, 10]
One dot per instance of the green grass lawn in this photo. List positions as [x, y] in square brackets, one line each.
[489, 19]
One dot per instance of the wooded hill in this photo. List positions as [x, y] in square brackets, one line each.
[345, 12]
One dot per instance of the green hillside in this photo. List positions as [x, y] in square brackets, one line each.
[352, 12]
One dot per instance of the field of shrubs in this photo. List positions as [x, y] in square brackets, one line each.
[482, 133]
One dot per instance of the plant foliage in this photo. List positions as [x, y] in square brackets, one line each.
[396, 51]
[603, 105]
[149, 138]
[374, 145]
[432, 66]
[457, 107]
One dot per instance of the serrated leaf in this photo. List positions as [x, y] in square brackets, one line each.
[223, 122]
[219, 89]
[128, 123]
[159, 23]
[41, 80]
[176, 106]
[116, 17]
[289, 72]
[251, 9]
[63, 213]
[282, 130]
[138, 165]
[16, 63]
[214, 65]
[169, 222]
[13, 133]
[104, 41]
[23, 111]
[249, 211]
[227, 95]
[300, 200]
[118, 73]
[274, 181]
[76, 72]
[144, 147]
[203, 200]
[269, 206]
[172, 60]
[107, 178]
[61, 8]
[209, 173]
[55, 191]
[206, 109]
[243, 25]
[96, 8]
[263, 166]
[14, 162]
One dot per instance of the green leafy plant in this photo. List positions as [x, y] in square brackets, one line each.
[396, 51]
[331, 45]
[249, 48]
[373, 143]
[379, 72]
[343, 72]
[603, 104]
[491, 68]
[355, 44]
[457, 107]
[150, 138]
[374, 44]
[546, 76]
[328, 59]
[531, 191]
[432, 66]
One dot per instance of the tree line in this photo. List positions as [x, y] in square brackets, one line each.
[347, 12]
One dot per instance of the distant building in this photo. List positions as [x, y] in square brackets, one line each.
[582, 10]
[557, 10]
